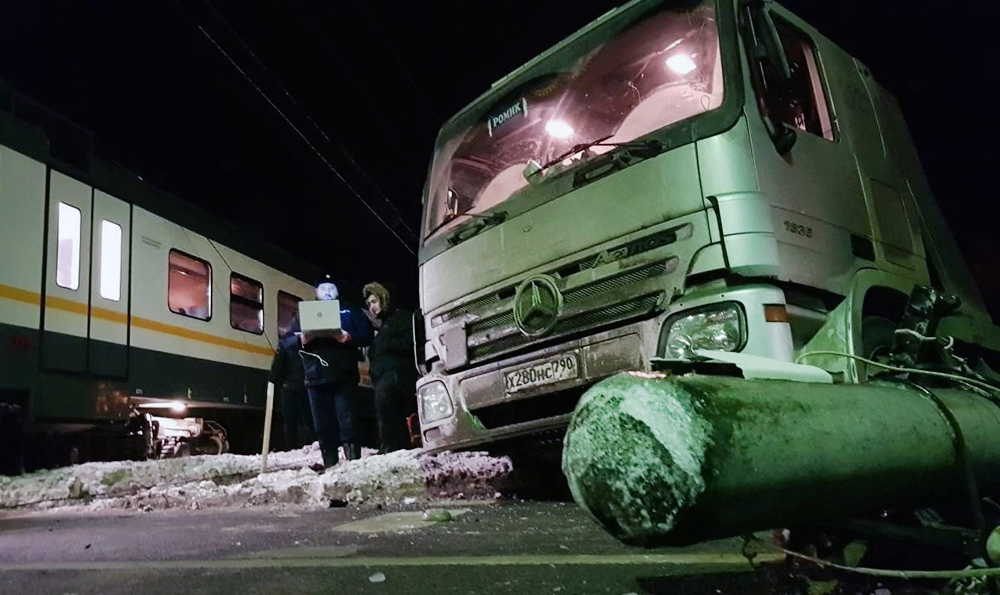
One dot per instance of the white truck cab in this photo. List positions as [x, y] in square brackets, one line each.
[678, 175]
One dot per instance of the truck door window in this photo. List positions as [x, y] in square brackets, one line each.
[801, 101]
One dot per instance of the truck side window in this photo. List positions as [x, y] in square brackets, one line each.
[802, 101]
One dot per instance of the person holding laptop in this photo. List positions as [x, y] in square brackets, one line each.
[330, 363]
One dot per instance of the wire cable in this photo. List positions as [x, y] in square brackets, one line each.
[324, 41]
[294, 127]
[312, 122]
[882, 572]
[955, 377]
[362, 5]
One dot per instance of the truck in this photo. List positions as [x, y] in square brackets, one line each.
[678, 177]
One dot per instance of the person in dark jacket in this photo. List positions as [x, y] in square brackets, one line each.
[330, 365]
[393, 372]
[288, 378]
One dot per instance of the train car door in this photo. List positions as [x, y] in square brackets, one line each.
[85, 323]
[109, 287]
[66, 288]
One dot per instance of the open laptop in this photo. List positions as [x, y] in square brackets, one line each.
[319, 318]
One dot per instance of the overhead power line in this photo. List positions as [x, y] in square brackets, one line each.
[308, 24]
[387, 214]
[363, 7]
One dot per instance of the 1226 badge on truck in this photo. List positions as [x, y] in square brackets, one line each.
[557, 369]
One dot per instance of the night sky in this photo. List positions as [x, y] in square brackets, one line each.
[369, 82]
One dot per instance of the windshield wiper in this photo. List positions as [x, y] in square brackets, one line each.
[489, 220]
[647, 148]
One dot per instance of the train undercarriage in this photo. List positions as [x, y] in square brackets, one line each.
[143, 436]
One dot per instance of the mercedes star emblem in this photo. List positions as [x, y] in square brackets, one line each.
[537, 305]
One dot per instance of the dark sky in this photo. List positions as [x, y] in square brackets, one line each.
[368, 83]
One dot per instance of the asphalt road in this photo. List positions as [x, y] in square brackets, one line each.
[495, 548]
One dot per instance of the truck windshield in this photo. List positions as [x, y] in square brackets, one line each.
[657, 71]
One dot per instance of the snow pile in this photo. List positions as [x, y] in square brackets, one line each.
[474, 474]
[235, 480]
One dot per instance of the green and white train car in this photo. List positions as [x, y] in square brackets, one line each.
[118, 300]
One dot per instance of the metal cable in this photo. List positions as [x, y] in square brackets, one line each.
[293, 126]
[347, 154]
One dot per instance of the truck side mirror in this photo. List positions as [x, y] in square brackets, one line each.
[768, 51]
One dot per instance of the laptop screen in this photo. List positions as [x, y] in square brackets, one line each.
[321, 315]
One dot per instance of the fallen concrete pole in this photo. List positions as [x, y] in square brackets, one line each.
[676, 460]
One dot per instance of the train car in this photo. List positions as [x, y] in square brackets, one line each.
[128, 318]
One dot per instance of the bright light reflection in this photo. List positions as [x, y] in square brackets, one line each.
[681, 63]
[558, 129]
[178, 406]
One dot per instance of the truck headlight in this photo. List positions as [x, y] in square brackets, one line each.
[434, 401]
[720, 327]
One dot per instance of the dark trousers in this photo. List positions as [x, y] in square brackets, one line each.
[295, 410]
[395, 400]
[333, 408]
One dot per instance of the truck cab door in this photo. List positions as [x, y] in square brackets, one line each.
[812, 184]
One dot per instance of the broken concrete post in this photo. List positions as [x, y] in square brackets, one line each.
[663, 460]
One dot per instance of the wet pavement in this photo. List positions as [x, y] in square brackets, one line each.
[473, 547]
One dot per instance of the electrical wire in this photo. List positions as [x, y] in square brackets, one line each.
[231, 271]
[955, 377]
[277, 82]
[886, 573]
[293, 126]
[363, 6]
[325, 42]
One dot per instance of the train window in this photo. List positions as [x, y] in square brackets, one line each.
[246, 304]
[801, 101]
[288, 310]
[111, 260]
[68, 249]
[189, 286]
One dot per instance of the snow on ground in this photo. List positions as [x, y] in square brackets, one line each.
[235, 480]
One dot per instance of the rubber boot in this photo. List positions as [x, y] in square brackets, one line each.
[330, 459]
[352, 451]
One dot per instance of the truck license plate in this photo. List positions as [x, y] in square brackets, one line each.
[554, 370]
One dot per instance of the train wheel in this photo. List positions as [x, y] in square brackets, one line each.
[217, 445]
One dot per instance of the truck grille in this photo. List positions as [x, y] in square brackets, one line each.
[579, 294]
[617, 253]
[481, 303]
[592, 318]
